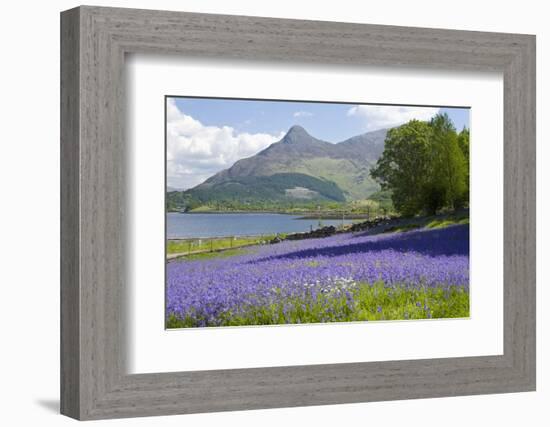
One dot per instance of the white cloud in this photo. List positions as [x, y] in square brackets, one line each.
[384, 116]
[195, 152]
[303, 114]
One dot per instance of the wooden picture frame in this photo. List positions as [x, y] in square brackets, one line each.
[94, 382]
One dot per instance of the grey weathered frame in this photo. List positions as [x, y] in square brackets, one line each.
[94, 41]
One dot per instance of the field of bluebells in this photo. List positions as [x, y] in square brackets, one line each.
[416, 274]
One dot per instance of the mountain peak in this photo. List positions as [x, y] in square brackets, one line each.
[292, 161]
[296, 134]
[296, 128]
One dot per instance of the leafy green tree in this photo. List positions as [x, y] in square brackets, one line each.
[463, 139]
[464, 144]
[448, 177]
[404, 166]
[424, 167]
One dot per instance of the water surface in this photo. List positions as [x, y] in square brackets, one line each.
[195, 225]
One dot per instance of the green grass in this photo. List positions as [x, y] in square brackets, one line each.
[364, 303]
[441, 223]
[436, 223]
[191, 246]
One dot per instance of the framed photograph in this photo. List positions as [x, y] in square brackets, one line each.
[270, 228]
[262, 213]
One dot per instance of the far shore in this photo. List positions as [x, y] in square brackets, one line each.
[235, 212]
[301, 215]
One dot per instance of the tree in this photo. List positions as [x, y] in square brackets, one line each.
[424, 167]
[464, 144]
[449, 166]
[404, 165]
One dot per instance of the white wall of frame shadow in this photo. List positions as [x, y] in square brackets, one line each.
[153, 349]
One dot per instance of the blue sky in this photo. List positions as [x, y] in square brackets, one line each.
[206, 135]
[327, 121]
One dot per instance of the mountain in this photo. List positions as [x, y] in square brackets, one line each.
[298, 168]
